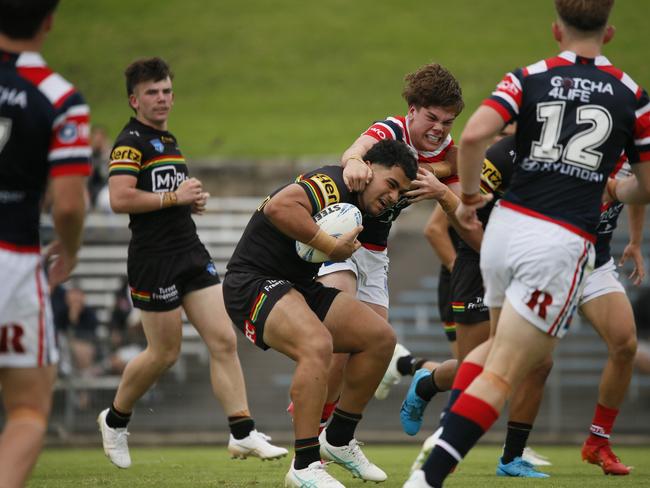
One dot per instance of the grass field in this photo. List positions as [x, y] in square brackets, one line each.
[286, 78]
[201, 466]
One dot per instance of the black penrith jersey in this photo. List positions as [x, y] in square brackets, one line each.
[43, 134]
[496, 173]
[265, 250]
[153, 157]
[575, 117]
[609, 214]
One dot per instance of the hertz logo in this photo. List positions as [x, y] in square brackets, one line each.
[327, 187]
[491, 175]
[126, 153]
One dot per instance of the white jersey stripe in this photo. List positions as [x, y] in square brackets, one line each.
[73, 111]
[29, 59]
[629, 82]
[642, 142]
[642, 110]
[451, 450]
[70, 152]
[602, 61]
[568, 55]
[538, 67]
[54, 87]
[507, 98]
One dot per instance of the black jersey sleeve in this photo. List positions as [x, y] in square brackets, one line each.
[324, 187]
[126, 156]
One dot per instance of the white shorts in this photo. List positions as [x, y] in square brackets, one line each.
[601, 281]
[538, 265]
[371, 270]
[26, 324]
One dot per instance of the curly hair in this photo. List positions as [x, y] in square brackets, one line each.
[390, 152]
[584, 15]
[433, 85]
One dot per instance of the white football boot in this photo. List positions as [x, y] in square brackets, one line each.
[256, 444]
[416, 480]
[351, 458]
[313, 476]
[391, 376]
[427, 447]
[114, 441]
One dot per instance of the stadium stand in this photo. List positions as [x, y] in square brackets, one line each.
[413, 313]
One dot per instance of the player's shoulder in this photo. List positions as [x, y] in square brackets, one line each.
[59, 92]
[392, 127]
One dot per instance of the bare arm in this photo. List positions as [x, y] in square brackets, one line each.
[436, 233]
[68, 212]
[427, 186]
[635, 189]
[126, 198]
[290, 211]
[445, 168]
[636, 216]
[479, 132]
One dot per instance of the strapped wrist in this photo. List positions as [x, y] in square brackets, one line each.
[168, 199]
[449, 202]
[323, 242]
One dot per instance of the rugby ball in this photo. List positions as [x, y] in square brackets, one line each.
[336, 220]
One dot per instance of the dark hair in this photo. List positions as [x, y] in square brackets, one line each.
[433, 85]
[584, 15]
[21, 19]
[146, 69]
[390, 152]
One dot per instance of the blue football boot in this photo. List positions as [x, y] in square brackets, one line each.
[519, 468]
[410, 415]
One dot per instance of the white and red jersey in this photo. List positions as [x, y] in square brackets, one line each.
[575, 116]
[396, 127]
[44, 129]
[375, 231]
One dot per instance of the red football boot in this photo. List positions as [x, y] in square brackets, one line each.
[602, 455]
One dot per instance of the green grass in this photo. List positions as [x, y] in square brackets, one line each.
[200, 466]
[288, 78]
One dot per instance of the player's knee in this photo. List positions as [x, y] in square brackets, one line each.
[317, 350]
[224, 342]
[541, 372]
[384, 340]
[28, 415]
[165, 357]
[624, 350]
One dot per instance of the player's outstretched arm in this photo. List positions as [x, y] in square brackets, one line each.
[437, 235]
[68, 211]
[635, 189]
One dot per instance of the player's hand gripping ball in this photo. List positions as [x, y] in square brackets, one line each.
[335, 220]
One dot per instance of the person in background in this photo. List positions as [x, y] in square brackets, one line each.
[44, 124]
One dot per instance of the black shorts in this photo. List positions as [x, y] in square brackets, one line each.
[467, 292]
[250, 297]
[158, 283]
[444, 304]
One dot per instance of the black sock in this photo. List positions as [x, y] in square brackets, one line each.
[515, 441]
[426, 388]
[307, 452]
[341, 429]
[453, 396]
[241, 426]
[116, 419]
[404, 365]
[408, 365]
